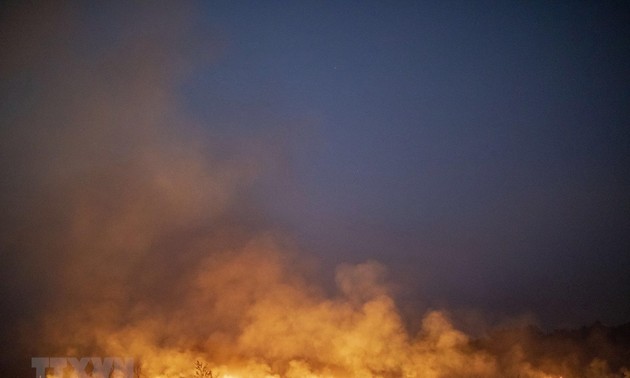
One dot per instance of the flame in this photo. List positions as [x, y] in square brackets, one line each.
[247, 314]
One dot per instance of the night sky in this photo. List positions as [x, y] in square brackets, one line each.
[478, 150]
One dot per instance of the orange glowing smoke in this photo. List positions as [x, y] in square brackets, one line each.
[146, 243]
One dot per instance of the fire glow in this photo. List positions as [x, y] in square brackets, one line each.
[276, 326]
[141, 234]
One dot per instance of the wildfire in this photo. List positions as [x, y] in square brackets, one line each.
[246, 314]
[265, 322]
[147, 245]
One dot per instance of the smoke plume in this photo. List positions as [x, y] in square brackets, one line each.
[129, 228]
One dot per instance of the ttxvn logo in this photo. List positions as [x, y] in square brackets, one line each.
[86, 367]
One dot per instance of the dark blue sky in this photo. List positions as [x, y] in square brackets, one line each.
[479, 149]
